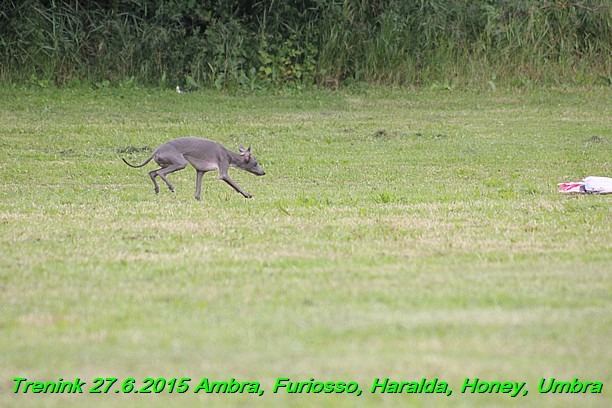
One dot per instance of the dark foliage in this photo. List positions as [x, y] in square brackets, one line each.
[268, 43]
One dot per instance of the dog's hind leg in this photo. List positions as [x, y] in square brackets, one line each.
[170, 169]
[170, 161]
[153, 174]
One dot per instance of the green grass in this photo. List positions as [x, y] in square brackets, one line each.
[398, 233]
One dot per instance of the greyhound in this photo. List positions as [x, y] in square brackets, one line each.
[204, 155]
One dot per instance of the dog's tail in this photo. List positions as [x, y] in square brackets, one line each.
[140, 165]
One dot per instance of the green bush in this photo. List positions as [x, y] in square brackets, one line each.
[253, 44]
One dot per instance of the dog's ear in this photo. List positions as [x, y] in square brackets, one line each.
[249, 149]
[241, 149]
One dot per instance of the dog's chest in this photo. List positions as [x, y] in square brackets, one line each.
[204, 165]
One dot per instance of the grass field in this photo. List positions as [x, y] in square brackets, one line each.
[397, 234]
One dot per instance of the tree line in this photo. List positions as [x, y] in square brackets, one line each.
[297, 43]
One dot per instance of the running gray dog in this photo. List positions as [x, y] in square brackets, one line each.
[204, 155]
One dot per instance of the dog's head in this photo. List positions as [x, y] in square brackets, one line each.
[250, 162]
